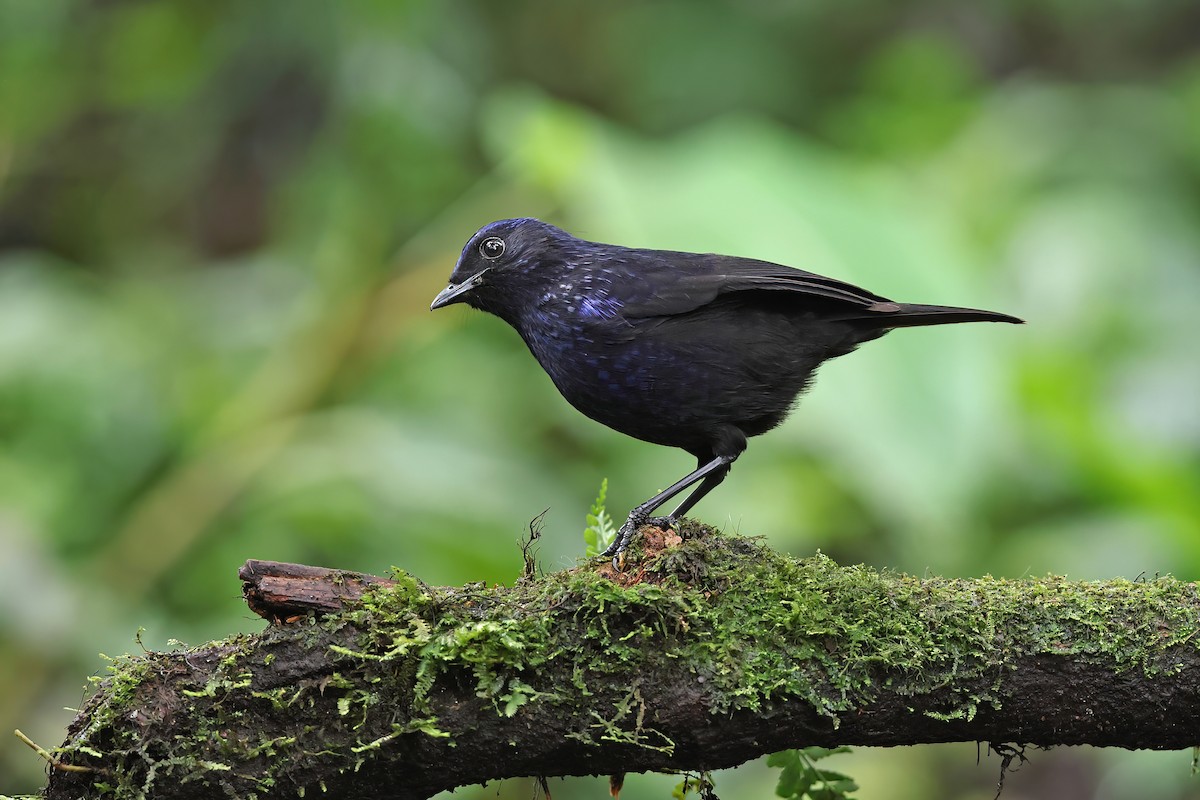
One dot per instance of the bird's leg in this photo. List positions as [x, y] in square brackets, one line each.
[709, 483]
[711, 473]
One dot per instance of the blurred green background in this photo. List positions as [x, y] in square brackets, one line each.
[222, 223]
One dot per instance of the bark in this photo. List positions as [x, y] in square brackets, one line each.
[281, 592]
[701, 654]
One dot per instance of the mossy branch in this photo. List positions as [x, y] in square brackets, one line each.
[703, 654]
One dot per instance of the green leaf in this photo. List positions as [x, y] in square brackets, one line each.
[801, 785]
[600, 531]
[799, 779]
[792, 778]
[837, 780]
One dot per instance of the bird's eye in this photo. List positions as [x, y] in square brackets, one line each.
[491, 247]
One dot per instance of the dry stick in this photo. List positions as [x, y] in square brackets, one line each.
[283, 592]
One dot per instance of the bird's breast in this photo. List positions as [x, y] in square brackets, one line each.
[606, 371]
[588, 351]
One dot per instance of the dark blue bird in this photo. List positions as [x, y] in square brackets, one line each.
[689, 350]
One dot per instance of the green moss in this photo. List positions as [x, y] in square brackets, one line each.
[751, 626]
[757, 627]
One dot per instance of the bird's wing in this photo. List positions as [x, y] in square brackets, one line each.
[676, 283]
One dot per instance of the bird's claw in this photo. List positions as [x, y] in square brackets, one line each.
[626, 532]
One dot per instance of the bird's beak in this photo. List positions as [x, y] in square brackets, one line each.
[454, 292]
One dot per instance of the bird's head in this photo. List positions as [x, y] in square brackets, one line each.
[500, 261]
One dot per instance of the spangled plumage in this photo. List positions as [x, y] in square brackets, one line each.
[689, 350]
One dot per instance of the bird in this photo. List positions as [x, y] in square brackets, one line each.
[697, 351]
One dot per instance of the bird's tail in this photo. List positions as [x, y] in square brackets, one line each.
[908, 315]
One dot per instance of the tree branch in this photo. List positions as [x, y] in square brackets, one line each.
[701, 655]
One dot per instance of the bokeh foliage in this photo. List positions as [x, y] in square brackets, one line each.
[221, 225]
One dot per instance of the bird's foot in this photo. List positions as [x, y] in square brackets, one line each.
[624, 535]
[626, 532]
